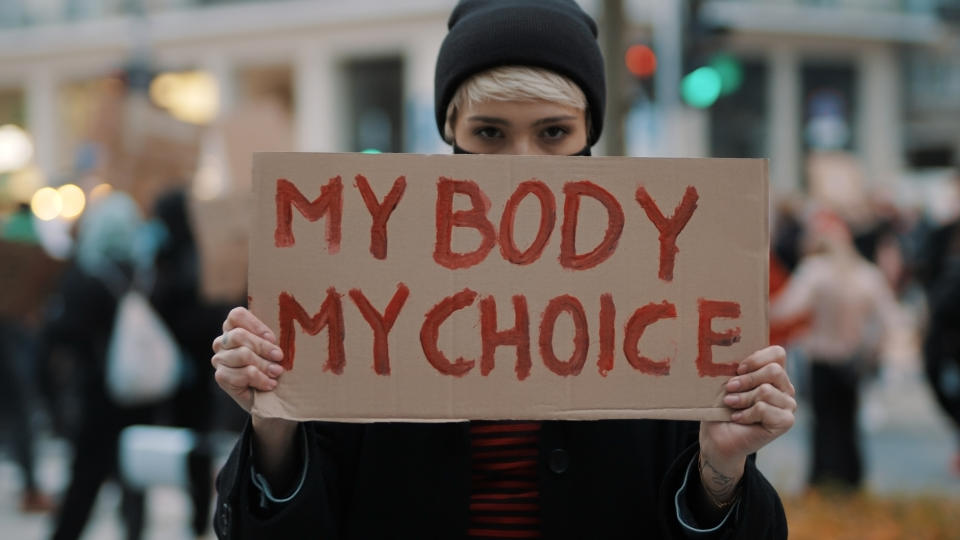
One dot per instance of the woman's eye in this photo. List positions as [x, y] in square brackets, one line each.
[488, 133]
[554, 132]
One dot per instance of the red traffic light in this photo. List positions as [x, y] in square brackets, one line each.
[641, 60]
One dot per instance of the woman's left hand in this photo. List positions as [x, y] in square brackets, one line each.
[762, 398]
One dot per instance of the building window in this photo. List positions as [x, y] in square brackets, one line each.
[829, 107]
[738, 122]
[375, 92]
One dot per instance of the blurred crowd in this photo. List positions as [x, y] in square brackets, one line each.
[859, 284]
[57, 336]
[848, 276]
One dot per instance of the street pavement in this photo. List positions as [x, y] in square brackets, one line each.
[167, 516]
[907, 442]
[907, 445]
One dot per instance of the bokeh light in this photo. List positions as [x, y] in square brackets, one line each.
[46, 204]
[16, 148]
[641, 60]
[73, 201]
[701, 87]
[190, 96]
[100, 191]
[730, 70]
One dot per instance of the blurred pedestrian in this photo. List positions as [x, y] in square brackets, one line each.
[850, 305]
[16, 366]
[81, 321]
[785, 252]
[786, 233]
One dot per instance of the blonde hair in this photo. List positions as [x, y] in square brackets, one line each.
[514, 83]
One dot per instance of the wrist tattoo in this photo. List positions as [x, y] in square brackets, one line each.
[719, 487]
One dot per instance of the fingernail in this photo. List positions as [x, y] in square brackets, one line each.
[741, 368]
[269, 337]
[272, 384]
[276, 355]
[275, 370]
[731, 399]
[733, 385]
[736, 416]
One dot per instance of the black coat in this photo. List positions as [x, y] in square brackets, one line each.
[598, 480]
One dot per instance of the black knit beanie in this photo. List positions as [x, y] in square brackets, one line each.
[553, 34]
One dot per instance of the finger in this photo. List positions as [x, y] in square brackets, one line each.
[241, 358]
[220, 342]
[240, 317]
[773, 354]
[240, 379]
[765, 392]
[771, 418]
[770, 373]
[238, 338]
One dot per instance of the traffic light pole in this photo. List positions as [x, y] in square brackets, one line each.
[612, 33]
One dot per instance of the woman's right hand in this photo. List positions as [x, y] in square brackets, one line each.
[246, 357]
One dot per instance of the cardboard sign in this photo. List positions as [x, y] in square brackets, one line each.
[426, 288]
[221, 228]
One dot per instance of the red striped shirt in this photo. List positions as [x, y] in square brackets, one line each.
[505, 500]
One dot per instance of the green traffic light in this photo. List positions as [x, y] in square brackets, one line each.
[731, 73]
[701, 87]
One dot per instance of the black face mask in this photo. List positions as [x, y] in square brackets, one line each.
[584, 152]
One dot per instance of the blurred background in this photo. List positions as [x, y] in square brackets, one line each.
[139, 118]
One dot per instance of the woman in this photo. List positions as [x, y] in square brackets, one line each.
[513, 77]
[852, 308]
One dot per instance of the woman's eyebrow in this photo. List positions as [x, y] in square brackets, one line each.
[489, 120]
[553, 119]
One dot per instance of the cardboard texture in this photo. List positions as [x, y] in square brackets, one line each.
[614, 329]
[28, 276]
[222, 229]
